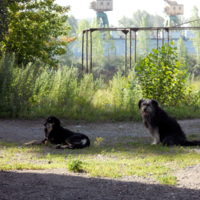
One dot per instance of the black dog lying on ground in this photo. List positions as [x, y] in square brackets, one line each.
[162, 127]
[64, 138]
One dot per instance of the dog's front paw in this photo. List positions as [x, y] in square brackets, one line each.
[154, 143]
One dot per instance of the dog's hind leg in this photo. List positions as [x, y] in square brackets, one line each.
[59, 146]
[168, 141]
[34, 142]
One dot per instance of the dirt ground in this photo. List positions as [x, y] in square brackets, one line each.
[60, 184]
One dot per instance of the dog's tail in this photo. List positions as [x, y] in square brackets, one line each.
[85, 142]
[191, 143]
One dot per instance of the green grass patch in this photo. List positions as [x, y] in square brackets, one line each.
[168, 180]
[130, 157]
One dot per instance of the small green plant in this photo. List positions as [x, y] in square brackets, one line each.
[49, 157]
[161, 77]
[98, 141]
[74, 165]
[168, 180]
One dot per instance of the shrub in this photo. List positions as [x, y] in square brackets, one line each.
[73, 164]
[161, 77]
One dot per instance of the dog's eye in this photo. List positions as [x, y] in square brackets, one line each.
[48, 126]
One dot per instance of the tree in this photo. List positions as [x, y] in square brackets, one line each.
[67, 58]
[196, 37]
[161, 77]
[97, 43]
[109, 43]
[73, 23]
[143, 38]
[157, 20]
[33, 31]
[181, 51]
[139, 15]
[125, 22]
[135, 21]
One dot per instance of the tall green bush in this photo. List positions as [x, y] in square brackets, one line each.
[161, 77]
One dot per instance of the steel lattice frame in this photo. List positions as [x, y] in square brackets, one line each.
[125, 31]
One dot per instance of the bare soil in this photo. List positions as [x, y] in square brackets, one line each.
[60, 184]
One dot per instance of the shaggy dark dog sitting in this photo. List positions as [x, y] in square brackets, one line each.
[162, 127]
[64, 138]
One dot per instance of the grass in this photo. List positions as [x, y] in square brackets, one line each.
[36, 91]
[130, 157]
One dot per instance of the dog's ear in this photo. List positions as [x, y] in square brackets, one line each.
[140, 102]
[57, 122]
[155, 103]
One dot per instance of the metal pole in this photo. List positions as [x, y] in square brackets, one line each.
[90, 51]
[86, 51]
[135, 46]
[168, 36]
[125, 54]
[157, 38]
[130, 46]
[162, 37]
[82, 50]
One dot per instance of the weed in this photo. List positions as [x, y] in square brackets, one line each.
[73, 164]
[98, 141]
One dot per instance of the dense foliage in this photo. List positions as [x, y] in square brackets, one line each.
[33, 31]
[37, 91]
[135, 21]
[161, 77]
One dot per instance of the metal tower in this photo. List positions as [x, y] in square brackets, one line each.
[101, 6]
[172, 11]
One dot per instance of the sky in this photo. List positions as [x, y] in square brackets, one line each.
[80, 8]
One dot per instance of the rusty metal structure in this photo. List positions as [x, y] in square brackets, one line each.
[125, 31]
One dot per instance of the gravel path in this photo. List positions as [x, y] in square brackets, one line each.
[60, 184]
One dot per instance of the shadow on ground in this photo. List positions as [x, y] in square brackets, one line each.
[55, 185]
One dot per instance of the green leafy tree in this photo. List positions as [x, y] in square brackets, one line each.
[73, 23]
[97, 42]
[83, 24]
[196, 38]
[143, 38]
[109, 43]
[67, 59]
[135, 21]
[181, 51]
[125, 22]
[157, 20]
[33, 31]
[161, 77]
[138, 17]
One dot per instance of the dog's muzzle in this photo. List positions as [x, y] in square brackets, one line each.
[145, 113]
[47, 125]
